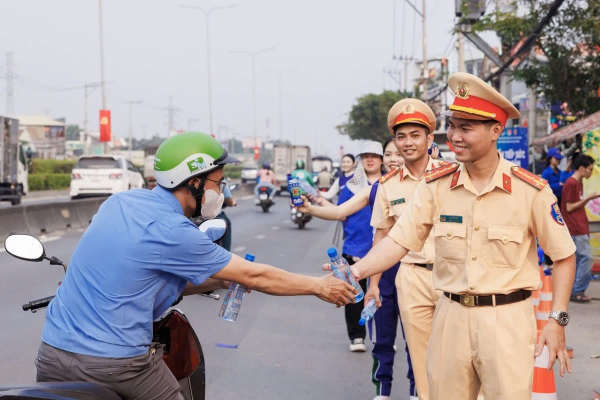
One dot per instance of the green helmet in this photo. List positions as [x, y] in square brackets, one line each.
[186, 155]
[300, 164]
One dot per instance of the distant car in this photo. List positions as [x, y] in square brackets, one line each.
[103, 175]
[249, 173]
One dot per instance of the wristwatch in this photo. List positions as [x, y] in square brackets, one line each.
[562, 317]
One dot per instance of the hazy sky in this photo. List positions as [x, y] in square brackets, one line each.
[155, 49]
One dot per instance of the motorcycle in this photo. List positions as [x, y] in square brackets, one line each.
[300, 218]
[264, 198]
[182, 350]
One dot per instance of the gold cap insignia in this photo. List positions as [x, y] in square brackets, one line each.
[409, 109]
[462, 91]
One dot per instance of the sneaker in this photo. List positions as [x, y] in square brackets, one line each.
[395, 348]
[358, 345]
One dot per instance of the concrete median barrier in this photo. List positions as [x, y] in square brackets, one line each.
[12, 220]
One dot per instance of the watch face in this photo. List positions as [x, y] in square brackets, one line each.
[563, 318]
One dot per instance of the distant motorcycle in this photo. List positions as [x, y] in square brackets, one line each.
[182, 350]
[264, 198]
[300, 218]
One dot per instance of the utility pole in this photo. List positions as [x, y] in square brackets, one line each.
[461, 52]
[405, 60]
[280, 73]
[131, 103]
[207, 14]
[9, 83]
[392, 73]
[101, 27]
[425, 65]
[253, 56]
[171, 112]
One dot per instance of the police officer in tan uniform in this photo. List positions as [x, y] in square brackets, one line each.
[485, 214]
[412, 123]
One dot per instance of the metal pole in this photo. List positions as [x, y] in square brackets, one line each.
[131, 103]
[425, 65]
[461, 52]
[102, 63]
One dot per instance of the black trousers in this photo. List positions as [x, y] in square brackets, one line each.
[352, 311]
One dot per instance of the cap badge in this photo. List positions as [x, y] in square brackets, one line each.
[409, 109]
[462, 91]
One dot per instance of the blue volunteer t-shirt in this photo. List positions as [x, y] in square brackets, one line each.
[357, 230]
[130, 266]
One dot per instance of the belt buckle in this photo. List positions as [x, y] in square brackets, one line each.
[467, 300]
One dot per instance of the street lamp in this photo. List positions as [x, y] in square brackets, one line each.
[253, 56]
[131, 103]
[280, 73]
[207, 16]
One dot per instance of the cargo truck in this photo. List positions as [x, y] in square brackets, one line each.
[13, 163]
[284, 161]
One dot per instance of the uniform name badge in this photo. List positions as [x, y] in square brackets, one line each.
[457, 219]
[397, 201]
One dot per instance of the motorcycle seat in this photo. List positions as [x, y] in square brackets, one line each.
[58, 391]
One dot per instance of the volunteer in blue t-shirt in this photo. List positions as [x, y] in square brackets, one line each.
[138, 256]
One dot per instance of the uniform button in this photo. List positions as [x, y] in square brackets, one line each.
[472, 288]
[478, 198]
[476, 229]
[474, 258]
[505, 238]
[449, 234]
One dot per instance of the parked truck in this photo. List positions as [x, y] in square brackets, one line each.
[13, 163]
[284, 161]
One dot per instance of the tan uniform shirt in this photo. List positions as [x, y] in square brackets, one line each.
[485, 243]
[392, 199]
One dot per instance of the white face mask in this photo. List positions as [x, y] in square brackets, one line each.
[212, 204]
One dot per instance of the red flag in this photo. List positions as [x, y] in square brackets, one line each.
[104, 125]
[256, 153]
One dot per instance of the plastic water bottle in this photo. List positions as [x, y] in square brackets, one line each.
[295, 191]
[233, 299]
[368, 312]
[307, 188]
[341, 270]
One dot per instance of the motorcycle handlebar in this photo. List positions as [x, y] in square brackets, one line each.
[37, 304]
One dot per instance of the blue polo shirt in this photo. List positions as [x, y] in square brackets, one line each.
[131, 264]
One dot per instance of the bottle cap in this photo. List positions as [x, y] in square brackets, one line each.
[362, 322]
[250, 257]
[332, 252]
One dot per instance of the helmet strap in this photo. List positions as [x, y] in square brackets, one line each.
[197, 194]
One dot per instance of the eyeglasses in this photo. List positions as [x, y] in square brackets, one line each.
[222, 184]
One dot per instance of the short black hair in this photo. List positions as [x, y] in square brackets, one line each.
[583, 161]
[350, 156]
[387, 141]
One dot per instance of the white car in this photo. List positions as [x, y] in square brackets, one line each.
[97, 175]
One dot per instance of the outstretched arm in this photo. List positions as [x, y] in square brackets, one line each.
[337, 213]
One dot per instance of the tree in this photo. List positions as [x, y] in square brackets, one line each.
[73, 132]
[368, 117]
[567, 68]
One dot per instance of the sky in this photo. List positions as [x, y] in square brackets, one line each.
[332, 51]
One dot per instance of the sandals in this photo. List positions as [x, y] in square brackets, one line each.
[580, 298]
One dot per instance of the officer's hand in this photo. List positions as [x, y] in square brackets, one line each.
[336, 291]
[373, 293]
[553, 336]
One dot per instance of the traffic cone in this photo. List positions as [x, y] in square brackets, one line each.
[570, 351]
[545, 305]
[543, 380]
[535, 295]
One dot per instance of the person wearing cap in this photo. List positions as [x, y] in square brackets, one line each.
[485, 214]
[412, 123]
[552, 173]
[141, 253]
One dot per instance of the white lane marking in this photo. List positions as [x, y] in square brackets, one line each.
[274, 228]
[239, 248]
[260, 236]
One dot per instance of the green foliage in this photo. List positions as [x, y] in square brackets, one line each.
[39, 166]
[73, 132]
[49, 181]
[569, 70]
[368, 117]
[233, 171]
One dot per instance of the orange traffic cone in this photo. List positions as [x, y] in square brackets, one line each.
[545, 305]
[543, 380]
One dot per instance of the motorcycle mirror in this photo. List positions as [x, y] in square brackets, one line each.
[215, 228]
[232, 187]
[24, 247]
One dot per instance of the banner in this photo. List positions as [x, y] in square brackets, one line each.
[513, 146]
[104, 125]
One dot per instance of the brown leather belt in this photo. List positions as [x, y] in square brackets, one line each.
[426, 266]
[489, 300]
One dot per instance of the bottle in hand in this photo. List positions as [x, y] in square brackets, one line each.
[368, 312]
[341, 269]
[233, 300]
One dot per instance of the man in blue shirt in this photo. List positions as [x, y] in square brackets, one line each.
[138, 256]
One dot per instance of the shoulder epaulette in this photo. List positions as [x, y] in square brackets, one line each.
[390, 174]
[440, 172]
[444, 163]
[528, 177]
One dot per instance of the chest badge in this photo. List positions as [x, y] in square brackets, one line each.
[397, 201]
[457, 219]
[556, 215]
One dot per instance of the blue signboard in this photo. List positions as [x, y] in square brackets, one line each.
[513, 146]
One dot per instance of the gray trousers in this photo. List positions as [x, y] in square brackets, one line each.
[142, 377]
